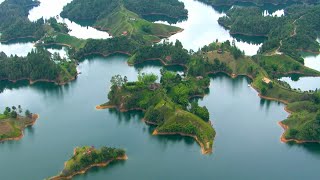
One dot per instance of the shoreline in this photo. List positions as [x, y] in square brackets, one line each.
[100, 107]
[17, 38]
[160, 60]
[84, 170]
[105, 55]
[284, 140]
[40, 80]
[203, 150]
[34, 119]
[155, 132]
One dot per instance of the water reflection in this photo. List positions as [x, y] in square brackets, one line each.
[17, 48]
[202, 28]
[48, 8]
[303, 83]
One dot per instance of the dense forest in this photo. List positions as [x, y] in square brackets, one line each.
[14, 22]
[167, 104]
[106, 47]
[294, 32]
[97, 9]
[39, 64]
[168, 53]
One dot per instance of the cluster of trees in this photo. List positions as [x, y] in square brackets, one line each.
[202, 112]
[146, 93]
[106, 47]
[168, 52]
[249, 21]
[87, 156]
[37, 65]
[201, 67]
[97, 9]
[294, 32]
[58, 27]
[14, 111]
[14, 22]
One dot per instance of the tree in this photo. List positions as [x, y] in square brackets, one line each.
[7, 111]
[117, 81]
[27, 113]
[13, 114]
[263, 91]
[318, 118]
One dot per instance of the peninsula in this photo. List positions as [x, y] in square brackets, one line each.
[38, 65]
[12, 123]
[166, 104]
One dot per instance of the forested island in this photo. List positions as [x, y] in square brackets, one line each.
[38, 65]
[296, 31]
[86, 157]
[125, 18]
[13, 122]
[166, 104]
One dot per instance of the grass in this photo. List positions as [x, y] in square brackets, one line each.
[70, 40]
[11, 128]
[238, 66]
[122, 20]
[187, 123]
[283, 64]
[2, 116]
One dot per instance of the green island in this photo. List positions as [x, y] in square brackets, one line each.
[12, 123]
[38, 65]
[125, 18]
[87, 157]
[290, 34]
[166, 104]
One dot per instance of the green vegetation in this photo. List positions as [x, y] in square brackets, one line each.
[95, 10]
[14, 22]
[166, 104]
[12, 123]
[279, 65]
[257, 2]
[167, 53]
[38, 65]
[296, 31]
[211, 59]
[87, 157]
[114, 17]
[106, 47]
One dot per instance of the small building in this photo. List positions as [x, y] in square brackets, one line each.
[220, 51]
[154, 86]
[266, 80]
[124, 33]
